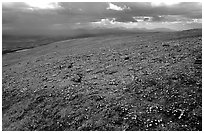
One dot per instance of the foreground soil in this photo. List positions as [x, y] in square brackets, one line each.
[133, 82]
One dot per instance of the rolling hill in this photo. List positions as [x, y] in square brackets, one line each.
[147, 81]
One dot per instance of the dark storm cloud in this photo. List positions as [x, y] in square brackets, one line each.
[23, 18]
[14, 6]
[146, 19]
[125, 18]
[187, 9]
[89, 8]
[158, 18]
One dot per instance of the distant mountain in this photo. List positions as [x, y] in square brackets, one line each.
[114, 31]
[193, 30]
[162, 30]
[87, 31]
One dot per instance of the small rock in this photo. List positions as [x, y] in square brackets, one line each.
[127, 58]
[77, 78]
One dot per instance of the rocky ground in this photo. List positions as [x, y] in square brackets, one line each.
[134, 82]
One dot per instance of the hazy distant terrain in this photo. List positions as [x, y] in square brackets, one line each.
[136, 81]
[12, 43]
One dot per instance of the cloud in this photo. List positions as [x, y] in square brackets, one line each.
[187, 9]
[114, 7]
[112, 23]
[158, 18]
[65, 17]
[126, 18]
[164, 3]
[43, 5]
[142, 18]
[105, 21]
[10, 6]
[30, 6]
[146, 19]
[117, 8]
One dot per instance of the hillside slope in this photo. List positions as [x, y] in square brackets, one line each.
[150, 81]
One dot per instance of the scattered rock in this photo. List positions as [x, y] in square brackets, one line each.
[77, 78]
[146, 84]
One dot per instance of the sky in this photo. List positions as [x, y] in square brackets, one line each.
[58, 18]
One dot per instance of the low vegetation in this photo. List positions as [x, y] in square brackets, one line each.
[149, 85]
